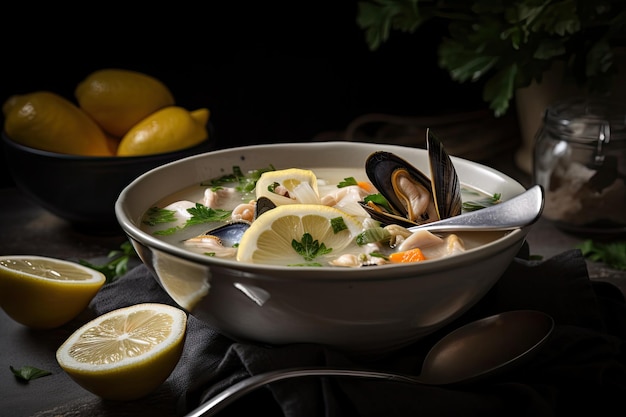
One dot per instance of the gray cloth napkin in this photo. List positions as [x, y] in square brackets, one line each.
[581, 369]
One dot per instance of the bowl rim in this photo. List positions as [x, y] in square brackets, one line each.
[381, 272]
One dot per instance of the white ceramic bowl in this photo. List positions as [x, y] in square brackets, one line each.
[364, 310]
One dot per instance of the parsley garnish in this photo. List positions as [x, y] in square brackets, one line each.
[482, 203]
[611, 253]
[199, 214]
[379, 200]
[338, 224]
[156, 215]
[347, 182]
[118, 265]
[203, 214]
[379, 255]
[26, 373]
[272, 187]
[309, 248]
[245, 183]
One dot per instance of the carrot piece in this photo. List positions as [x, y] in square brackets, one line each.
[367, 186]
[411, 255]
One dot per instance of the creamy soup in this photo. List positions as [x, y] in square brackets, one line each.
[184, 218]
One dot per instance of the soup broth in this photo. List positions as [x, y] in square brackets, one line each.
[177, 230]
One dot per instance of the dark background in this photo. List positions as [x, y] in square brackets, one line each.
[277, 72]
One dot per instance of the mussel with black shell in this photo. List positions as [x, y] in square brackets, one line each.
[414, 198]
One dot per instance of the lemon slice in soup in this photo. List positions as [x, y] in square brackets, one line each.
[298, 234]
[288, 186]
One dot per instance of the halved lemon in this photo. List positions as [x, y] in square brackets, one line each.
[300, 184]
[43, 292]
[127, 353]
[278, 236]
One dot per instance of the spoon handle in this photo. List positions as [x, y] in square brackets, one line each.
[232, 393]
[521, 210]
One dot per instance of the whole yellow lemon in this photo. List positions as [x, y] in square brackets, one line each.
[48, 121]
[166, 130]
[118, 99]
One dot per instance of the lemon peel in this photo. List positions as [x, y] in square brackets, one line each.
[169, 129]
[301, 184]
[44, 293]
[126, 353]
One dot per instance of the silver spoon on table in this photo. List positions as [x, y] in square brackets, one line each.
[471, 352]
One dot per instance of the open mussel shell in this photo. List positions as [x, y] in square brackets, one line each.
[413, 197]
[446, 187]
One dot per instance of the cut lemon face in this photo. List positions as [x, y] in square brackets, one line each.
[127, 353]
[298, 234]
[44, 293]
[288, 186]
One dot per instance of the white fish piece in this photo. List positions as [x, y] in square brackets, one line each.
[419, 239]
[213, 198]
[180, 207]
[451, 245]
[346, 199]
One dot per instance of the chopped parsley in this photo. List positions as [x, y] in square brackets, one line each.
[308, 248]
[244, 182]
[203, 214]
[156, 215]
[379, 200]
[347, 182]
[199, 214]
[338, 224]
[474, 205]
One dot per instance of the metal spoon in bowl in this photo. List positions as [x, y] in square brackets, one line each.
[522, 210]
[471, 352]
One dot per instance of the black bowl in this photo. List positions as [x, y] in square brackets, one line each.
[82, 189]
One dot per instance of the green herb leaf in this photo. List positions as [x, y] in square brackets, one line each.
[611, 253]
[118, 265]
[308, 248]
[347, 182]
[508, 45]
[379, 200]
[203, 214]
[243, 183]
[156, 215]
[27, 373]
[473, 205]
[167, 232]
[338, 224]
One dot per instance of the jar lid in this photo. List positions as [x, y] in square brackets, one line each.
[587, 120]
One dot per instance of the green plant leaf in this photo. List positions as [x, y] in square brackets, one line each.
[611, 253]
[28, 373]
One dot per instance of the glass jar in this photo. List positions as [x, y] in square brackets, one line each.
[580, 160]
